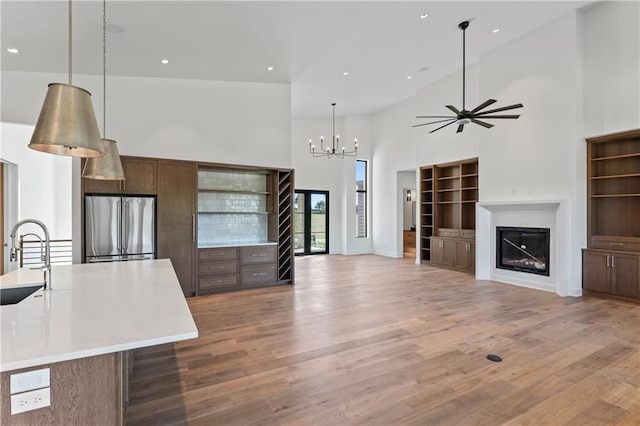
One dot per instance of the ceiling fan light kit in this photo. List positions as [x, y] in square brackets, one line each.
[476, 115]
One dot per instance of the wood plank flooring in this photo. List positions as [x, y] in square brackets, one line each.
[369, 340]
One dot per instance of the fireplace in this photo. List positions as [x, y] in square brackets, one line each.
[523, 249]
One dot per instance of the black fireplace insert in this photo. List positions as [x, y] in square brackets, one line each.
[523, 249]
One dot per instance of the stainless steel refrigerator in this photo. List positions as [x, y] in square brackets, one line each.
[119, 228]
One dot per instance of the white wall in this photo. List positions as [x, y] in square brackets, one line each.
[394, 151]
[334, 175]
[610, 34]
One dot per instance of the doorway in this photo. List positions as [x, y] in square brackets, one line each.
[311, 222]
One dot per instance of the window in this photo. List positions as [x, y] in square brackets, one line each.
[361, 198]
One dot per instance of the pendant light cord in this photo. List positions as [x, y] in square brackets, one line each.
[333, 144]
[70, 45]
[104, 68]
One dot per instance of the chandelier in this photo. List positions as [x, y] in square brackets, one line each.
[332, 150]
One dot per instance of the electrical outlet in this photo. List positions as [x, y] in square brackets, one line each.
[30, 380]
[31, 400]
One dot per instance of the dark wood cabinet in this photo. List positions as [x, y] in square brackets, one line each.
[176, 218]
[610, 262]
[449, 193]
[611, 273]
[141, 179]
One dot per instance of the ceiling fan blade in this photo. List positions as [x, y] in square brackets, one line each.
[460, 128]
[454, 109]
[497, 116]
[434, 116]
[448, 124]
[514, 106]
[434, 122]
[482, 123]
[483, 105]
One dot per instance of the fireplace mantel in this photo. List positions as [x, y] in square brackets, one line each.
[550, 214]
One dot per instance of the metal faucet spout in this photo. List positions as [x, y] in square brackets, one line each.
[47, 253]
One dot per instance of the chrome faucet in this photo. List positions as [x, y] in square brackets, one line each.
[47, 253]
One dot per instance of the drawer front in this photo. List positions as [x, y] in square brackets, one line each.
[225, 253]
[468, 233]
[258, 254]
[410, 237]
[215, 282]
[223, 267]
[257, 274]
[448, 232]
[616, 243]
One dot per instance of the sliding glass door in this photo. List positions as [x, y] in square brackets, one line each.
[311, 224]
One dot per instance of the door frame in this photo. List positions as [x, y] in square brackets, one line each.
[307, 221]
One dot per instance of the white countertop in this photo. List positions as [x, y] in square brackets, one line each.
[205, 244]
[93, 309]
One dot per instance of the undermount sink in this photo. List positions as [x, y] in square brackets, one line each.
[11, 296]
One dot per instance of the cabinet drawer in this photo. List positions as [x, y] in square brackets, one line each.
[214, 282]
[223, 267]
[258, 254]
[468, 233]
[258, 274]
[410, 237]
[217, 253]
[448, 232]
[615, 243]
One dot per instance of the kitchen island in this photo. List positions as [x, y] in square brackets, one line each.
[83, 330]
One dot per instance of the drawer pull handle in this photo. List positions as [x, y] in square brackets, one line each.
[258, 274]
[213, 268]
[616, 244]
[259, 255]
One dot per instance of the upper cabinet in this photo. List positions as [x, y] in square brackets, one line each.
[141, 179]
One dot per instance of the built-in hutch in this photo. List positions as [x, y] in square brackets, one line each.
[611, 261]
[224, 227]
[448, 196]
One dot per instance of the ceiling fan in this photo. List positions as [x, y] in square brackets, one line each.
[476, 115]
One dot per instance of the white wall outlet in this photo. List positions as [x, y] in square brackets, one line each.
[30, 380]
[31, 400]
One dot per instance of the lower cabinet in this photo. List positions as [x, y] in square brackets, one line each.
[611, 273]
[457, 253]
[233, 268]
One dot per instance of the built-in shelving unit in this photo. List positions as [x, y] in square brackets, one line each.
[448, 213]
[426, 211]
[611, 263]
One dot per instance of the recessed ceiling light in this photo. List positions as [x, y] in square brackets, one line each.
[269, 68]
[409, 77]
[424, 15]
[12, 50]
[346, 73]
[496, 30]
[164, 61]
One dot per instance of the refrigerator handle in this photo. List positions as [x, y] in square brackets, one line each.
[125, 227]
[119, 204]
[193, 228]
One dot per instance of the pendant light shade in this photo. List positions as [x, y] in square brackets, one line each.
[67, 124]
[108, 167]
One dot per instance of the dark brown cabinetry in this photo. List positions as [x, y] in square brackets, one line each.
[141, 178]
[176, 218]
[611, 260]
[449, 193]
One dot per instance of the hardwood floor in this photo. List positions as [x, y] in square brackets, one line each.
[380, 341]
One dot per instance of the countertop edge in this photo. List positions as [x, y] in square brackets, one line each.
[69, 356]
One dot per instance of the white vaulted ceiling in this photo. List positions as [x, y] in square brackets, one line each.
[309, 44]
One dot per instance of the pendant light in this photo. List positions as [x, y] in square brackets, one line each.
[108, 167]
[67, 124]
[332, 150]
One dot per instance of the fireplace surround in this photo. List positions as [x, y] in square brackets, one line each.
[523, 249]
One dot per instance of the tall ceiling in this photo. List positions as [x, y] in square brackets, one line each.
[310, 44]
